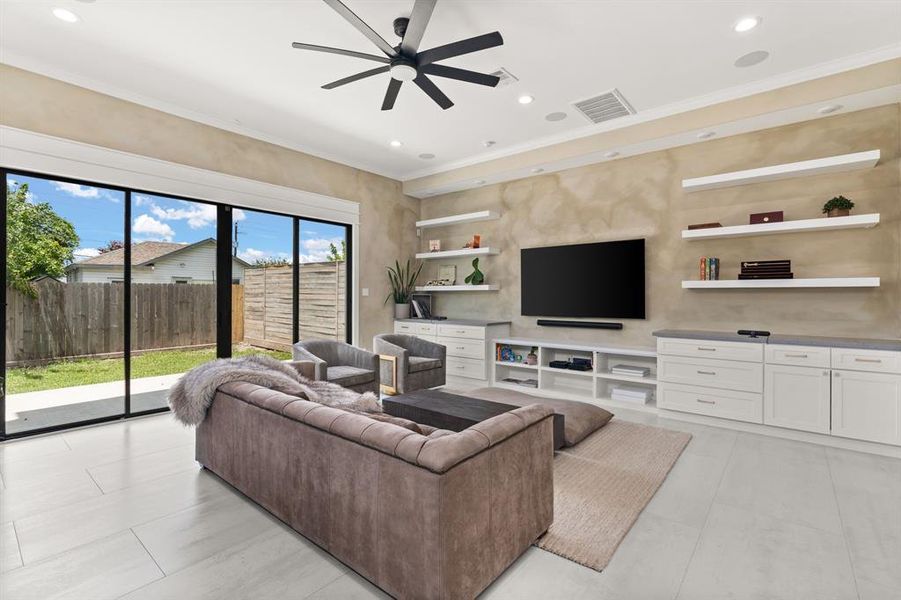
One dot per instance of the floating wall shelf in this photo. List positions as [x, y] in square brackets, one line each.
[822, 282]
[818, 166]
[457, 288]
[463, 252]
[824, 224]
[473, 217]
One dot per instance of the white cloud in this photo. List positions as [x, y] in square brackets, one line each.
[238, 215]
[83, 191]
[153, 229]
[141, 199]
[85, 253]
[321, 244]
[197, 215]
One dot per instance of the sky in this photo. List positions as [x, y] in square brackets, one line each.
[98, 216]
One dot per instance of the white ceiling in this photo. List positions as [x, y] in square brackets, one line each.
[230, 64]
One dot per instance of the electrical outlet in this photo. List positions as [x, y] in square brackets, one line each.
[364, 292]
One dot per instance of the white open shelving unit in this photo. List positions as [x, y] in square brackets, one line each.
[593, 386]
[824, 224]
[473, 217]
[820, 282]
[457, 288]
[461, 253]
[818, 166]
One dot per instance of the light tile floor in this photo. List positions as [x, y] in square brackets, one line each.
[122, 511]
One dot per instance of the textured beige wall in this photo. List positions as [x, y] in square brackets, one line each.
[642, 197]
[33, 102]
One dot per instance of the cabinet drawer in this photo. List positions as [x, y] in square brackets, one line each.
[740, 406]
[877, 361]
[463, 348]
[461, 331]
[750, 352]
[724, 374]
[421, 329]
[801, 356]
[466, 367]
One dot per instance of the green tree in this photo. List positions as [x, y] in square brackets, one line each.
[39, 241]
[271, 261]
[334, 255]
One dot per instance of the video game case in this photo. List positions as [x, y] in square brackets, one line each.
[766, 263]
[766, 276]
[768, 270]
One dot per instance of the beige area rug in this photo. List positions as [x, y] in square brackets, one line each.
[602, 484]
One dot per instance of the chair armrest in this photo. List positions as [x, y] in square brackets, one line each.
[306, 368]
[357, 357]
[381, 346]
[320, 370]
[427, 349]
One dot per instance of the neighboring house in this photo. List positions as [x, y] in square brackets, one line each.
[156, 262]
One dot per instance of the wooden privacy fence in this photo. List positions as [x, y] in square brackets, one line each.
[268, 306]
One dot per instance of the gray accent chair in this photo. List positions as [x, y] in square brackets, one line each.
[348, 366]
[410, 363]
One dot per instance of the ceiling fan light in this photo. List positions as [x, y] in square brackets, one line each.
[403, 72]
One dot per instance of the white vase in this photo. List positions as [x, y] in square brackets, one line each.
[402, 311]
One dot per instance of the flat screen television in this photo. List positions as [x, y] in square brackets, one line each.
[599, 280]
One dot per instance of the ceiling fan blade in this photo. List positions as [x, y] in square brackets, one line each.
[419, 18]
[361, 26]
[391, 94]
[427, 86]
[330, 50]
[461, 74]
[480, 42]
[357, 77]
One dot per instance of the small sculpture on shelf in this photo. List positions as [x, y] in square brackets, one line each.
[475, 242]
[476, 277]
[532, 356]
[434, 245]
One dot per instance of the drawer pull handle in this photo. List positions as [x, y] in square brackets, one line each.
[795, 356]
[460, 367]
[706, 349]
[461, 347]
[868, 360]
[705, 401]
[706, 372]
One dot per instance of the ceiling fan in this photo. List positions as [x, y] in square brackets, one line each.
[404, 62]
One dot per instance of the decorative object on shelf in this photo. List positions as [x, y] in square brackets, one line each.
[447, 276]
[476, 277]
[532, 356]
[434, 245]
[705, 225]
[709, 268]
[475, 242]
[403, 282]
[838, 207]
[506, 354]
[766, 269]
[630, 370]
[775, 216]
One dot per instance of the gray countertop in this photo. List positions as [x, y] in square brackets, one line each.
[787, 339]
[473, 322]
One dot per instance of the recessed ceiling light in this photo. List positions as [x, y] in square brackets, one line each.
[829, 109]
[611, 154]
[480, 182]
[555, 116]
[526, 99]
[488, 143]
[746, 24]
[706, 135]
[426, 156]
[395, 143]
[538, 170]
[66, 15]
[752, 58]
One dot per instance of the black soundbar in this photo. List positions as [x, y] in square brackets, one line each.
[582, 324]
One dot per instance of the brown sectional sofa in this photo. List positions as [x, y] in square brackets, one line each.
[437, 516]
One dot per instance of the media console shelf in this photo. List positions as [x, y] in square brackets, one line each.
[823, 224]
[817, 166]
[593, 386]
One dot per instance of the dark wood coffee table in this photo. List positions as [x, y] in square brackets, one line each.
[453, 412]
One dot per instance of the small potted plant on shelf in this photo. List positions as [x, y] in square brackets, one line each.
[403, 283]
[838, 207]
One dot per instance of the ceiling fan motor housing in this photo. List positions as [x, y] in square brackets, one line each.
[403, 69]
[400, 26]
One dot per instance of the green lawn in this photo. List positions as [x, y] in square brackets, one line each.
[86, 371]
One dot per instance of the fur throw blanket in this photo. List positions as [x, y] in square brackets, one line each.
[192, 395]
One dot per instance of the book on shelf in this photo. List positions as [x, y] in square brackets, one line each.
[709, 268]
[766, 275]
[630, 370]
[621, 397]
[631, 391]
[524, 382]
[771, 264]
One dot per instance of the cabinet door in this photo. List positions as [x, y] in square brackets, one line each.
[796, 397]
[866, 406]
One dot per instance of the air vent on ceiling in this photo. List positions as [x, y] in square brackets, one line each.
[603, 107]
[505, 76]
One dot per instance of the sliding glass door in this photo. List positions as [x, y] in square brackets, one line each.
[112, 294]
[65, 303]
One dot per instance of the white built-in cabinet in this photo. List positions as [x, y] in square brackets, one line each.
[796, 397]
[866, 406]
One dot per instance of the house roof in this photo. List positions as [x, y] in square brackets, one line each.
[143, 254]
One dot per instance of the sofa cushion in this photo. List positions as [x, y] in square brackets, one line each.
[346, 376]
[579, 418]
[421, 363]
